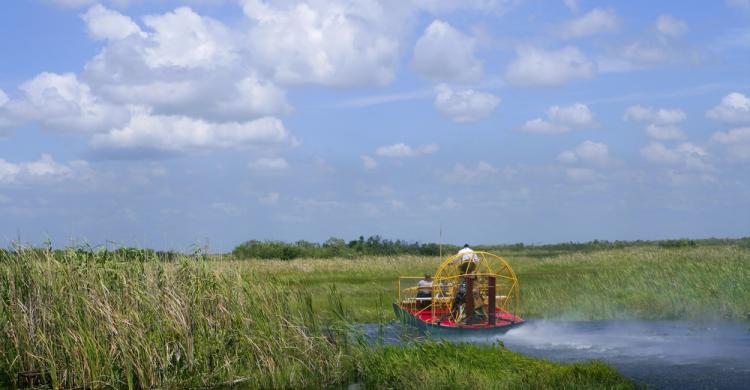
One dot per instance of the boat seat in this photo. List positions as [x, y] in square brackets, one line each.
[417, 299]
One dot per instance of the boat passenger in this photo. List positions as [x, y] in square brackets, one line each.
[458, 300]
[458, 308]
[424, 290]
[480, 313]
[467, 261]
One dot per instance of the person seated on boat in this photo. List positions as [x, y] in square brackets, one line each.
[424, 290]
[459, 306]
[458, 301]
[466, 259]
[479, 315]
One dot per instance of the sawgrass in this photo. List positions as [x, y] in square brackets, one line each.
[76, 318]
[82, 319]
[648, 282]
[701, 283]
[132, 324]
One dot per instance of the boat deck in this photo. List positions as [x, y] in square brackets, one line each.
[442, 318]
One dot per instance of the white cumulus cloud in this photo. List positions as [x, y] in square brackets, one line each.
[660, 45]
[567, 156]
[443, 53]
[464, 174]
[62, 102]
[575, 115]
[685, 155]
[497, 7]
[739, 135]
[561, 119]
[256, 97]
[661, 123]
[43, 171]
[541, 126]
[404, 150]
[161, 133]
[596, 21]
[186, 64]
[548, 68]
[594, 152]
[736, 141]
[660, 116]
[183, 38]
[646, 53]
[734, 108]
[587, 152]
[335, 43]
[122, 3]
[464, 105]
[103, 23]
[664, 132]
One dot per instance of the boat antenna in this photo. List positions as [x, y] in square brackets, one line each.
[441, 240]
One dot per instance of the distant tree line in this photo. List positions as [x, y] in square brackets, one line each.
[336, 247]
[378, 246]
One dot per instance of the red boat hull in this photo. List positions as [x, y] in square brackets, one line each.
[441, 321]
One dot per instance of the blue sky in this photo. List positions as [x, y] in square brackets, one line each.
[174, 123]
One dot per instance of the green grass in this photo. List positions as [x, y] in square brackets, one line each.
[468, 366]
[645, 282]
[103, 320]
[127, 320]
[131, 324]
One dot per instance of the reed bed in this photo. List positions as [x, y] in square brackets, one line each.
[90, 319]
[68, 323]
[704, 282]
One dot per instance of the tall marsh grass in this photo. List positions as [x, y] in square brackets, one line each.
[142, 324]
[697, 283]
[94, 319]
[639, 282]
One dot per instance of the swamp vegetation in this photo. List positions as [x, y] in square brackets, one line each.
[135, 319]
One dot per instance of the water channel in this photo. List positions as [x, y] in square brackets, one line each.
[659, 354]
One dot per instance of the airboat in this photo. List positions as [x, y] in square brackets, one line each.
[476, 291]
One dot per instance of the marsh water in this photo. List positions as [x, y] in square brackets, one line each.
[659, 354]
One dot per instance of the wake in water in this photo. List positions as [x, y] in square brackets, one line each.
[674, 341]
[661, 354]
